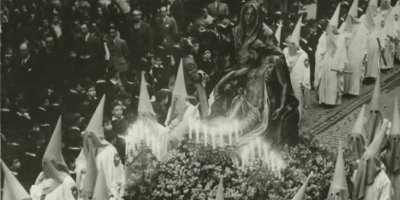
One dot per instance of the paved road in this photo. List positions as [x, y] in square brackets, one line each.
[329, 125]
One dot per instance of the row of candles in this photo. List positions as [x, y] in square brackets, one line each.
[257, 151]
[206, 133]
[140, 133]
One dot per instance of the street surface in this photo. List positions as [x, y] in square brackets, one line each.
[329, 125]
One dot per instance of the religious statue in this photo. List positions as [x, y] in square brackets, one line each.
[267, 106]
[250, 28]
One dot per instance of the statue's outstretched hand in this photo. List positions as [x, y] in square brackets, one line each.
[278, 112]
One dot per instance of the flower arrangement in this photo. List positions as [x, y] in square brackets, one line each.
[193, 172]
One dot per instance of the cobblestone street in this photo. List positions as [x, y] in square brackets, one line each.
[330, 125]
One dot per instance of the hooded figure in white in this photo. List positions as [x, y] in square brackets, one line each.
[329, 68]
[54, 182]
[104, 173]
[375, 61]
[356, 51]
[297, 61]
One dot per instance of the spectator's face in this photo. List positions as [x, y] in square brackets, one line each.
[207, 54]
[55, 20]
[127, 101]
[196, 47]
[113, 33]
[249, 16]
[45, 23]
[92, 92]
[24, 52]
[16, 164]
[306, 63]
[117, 111]
[107, 126]
[165, 100]
[163, 12]
[84, 29]
[49, 42]
[137, 16]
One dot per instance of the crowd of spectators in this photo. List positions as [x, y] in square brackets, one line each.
[61, 57]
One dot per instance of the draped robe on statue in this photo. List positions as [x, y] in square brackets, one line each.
[243, 38]
[299, 74]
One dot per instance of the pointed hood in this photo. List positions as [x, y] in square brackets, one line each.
[278, 33]
[95, 126]
[179, 95]
[339, 189]
[353, 11]
[145, 107]
[370, 14]
[302, 191]
[352, 16]
[335, 17]
[370, 164]
[220, 191]
[12, 188]
[357, 138]
[395, 129]
[375, 101]
[392, 156]
[375, 116]
[295, 36]
[53, 163]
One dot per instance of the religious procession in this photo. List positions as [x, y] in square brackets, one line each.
[200, 100]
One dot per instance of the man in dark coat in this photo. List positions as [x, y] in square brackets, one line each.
[166, 27]
[140, 38]
[118, 51]
[89, 52]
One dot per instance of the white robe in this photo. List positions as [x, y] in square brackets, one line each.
[374, 55]
[381, 189]
[319, 54]
[110, 179]
[329, 81]
[61, 192]
[356, 51]
[299, 74]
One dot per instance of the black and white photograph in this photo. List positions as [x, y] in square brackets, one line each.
[200, 100]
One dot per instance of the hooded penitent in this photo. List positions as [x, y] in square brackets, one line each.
[53, 163]
[375, 115]
[302, 191]
[339, 189]
[179, 95]
[12, 188]
[295, 36]
[357, 136]
[144, 108]
[92, 139]
[94, 129]
[331, 38]
[393, 154]
[369, 165]
[371, 13]
[352, 17]
[334, 21]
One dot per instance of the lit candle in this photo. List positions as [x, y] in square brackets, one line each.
[236, 129]
[205, 134]
[221, 134]
[213, 137]
[197, 132]
[259, 148]
[229, 135]
[190, 124]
